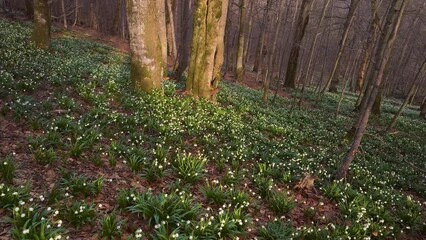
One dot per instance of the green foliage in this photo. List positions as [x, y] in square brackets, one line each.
[81, 185]
[33, 222]
[280, 203]
[79, 214]
[11, 196]
[189, 168]
[215, 194]
[44, 156]
[276, 230]
[111, 227]
[174, 208]
[127, 198]
[8, 168]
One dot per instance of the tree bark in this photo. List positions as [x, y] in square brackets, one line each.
[270, 70]
[161, 8]
[64, 14]
[41, 31]
[171, 38]
[261, 42]
[369, 48]
[207, 44]
[383, 52]
[407, 99]
[302, 23]
[333, 80]
[76, 13]
[145, 44]
[239, 71]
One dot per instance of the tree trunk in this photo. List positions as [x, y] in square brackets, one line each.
[116, 19]
[41, 31]
[376, 110]
[171, 38]
[161, 8]
[247, 43]
[64, 14]
[239, 71]
[261, 43]
[181, 65]
[145, 44]
[302, 23]
[76, 13]
[407, 99]
[207, 56]
[314, 42]
[333, 80]
[383, 52]
[270, 71]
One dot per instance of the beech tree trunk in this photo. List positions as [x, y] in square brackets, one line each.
[382, 55]
[171, 38]
[302, 22]
[41, 31]
[239, 71]
[207, 48]
[333, 80]
[145, 44]
[161, 8]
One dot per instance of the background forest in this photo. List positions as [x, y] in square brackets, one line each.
[212, 119]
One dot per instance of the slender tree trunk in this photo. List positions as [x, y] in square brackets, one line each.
[407, 99]
[76, 13]
[383, 52]
[302, 23]
[247, 43]
[342, 45]
[369, 48]
[171, 38]
[206, 58]
[239, 71]
[261, 43]
[64, 14]
[317, 33]
[270, 71]
[41, 31]
[145, 44]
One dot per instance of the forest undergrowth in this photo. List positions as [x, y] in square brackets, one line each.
[83, 157]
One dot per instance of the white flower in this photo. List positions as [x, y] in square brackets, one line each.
[26, 231]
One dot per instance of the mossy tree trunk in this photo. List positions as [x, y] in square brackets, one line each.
[145, 44]
[207, 48]
[301, 24]
[41, 31]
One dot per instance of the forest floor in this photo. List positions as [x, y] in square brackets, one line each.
[82, 154]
